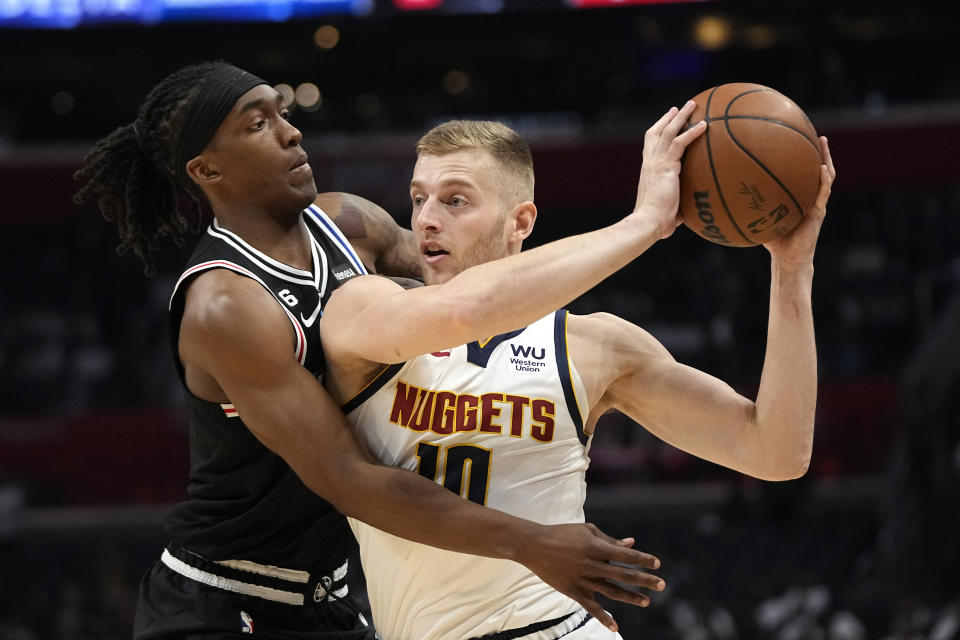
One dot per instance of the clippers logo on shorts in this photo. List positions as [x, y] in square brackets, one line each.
[322, 588]
[247, 622]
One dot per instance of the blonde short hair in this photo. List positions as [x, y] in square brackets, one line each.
[508, 149]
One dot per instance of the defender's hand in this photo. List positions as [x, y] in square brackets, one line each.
[575, 559]
[658, 192]
[796, 248]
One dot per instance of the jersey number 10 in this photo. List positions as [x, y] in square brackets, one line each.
[462, 461]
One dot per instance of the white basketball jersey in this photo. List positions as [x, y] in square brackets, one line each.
[500, 423]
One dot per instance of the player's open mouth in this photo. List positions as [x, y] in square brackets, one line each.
[433, 252]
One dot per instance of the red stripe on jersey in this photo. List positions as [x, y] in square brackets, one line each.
[300, 351]
[301, 338]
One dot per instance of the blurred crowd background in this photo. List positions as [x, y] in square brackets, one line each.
[92, 439]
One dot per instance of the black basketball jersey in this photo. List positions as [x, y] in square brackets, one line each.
[244, 502]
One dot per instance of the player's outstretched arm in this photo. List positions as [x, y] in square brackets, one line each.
[234, 335]
[627, 369]
[771, 438]
[488, 299]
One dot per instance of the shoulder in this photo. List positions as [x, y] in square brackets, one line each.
[351, 213]
[603, 326]
[382, 244]
[611, 340]
[590, 323]
[606, 348]
[597, 328]
[221, 300]
[232, 326]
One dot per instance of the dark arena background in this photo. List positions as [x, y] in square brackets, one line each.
[92, 440]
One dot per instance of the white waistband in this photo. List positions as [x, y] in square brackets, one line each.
[562, 628]
[247, 588]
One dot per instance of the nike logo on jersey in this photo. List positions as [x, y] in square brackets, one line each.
[440, 354]
[308, 322]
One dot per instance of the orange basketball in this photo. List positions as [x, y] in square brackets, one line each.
[755, 171]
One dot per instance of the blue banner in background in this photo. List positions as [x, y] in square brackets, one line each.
[67, 14]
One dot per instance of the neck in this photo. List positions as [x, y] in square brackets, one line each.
[285, 240]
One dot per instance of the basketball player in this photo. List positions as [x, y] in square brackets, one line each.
[259, 547]
[505, 419]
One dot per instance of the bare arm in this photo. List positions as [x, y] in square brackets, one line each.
[379, 323]
[383, 245]
[235, 341]
[693, 410]
[771, 438]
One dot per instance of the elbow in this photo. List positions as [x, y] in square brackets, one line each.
[802, 466]
[355, 486]
[327, 486]
[337, 492]
[784, 448]
[785, 468]
[792, 471]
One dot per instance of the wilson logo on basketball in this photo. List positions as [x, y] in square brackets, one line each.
[705, 213]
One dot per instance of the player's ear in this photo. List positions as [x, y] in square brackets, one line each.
[202, 171]
[524, 215]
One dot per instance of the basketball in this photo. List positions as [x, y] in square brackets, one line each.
[754, 172]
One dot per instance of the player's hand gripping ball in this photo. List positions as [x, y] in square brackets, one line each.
[755, 172]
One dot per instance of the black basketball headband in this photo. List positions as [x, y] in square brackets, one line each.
[215, 100]
[209, 108]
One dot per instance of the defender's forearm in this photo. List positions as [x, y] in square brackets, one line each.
[412, 507]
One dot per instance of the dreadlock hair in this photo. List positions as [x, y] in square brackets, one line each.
[132, 172]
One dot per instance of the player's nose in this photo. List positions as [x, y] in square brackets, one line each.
[428, 216]
[290, 135]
